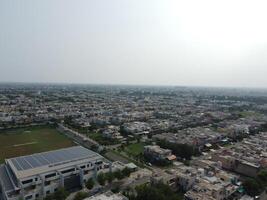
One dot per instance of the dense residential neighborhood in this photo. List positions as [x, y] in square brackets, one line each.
[195, 143]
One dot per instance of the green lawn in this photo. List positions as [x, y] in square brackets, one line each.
[25, 141]
[95, 136]
[135, 149]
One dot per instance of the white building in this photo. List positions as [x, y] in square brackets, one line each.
[107, 196]
[35, 176]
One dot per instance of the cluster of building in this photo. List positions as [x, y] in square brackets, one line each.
[197, 137]
[247, 157]
[112, 132]
[202, 118]
[205, 180]
[218, 174]
[137, 111]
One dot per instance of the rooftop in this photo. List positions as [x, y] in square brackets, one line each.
[107, 196]
[51, 160]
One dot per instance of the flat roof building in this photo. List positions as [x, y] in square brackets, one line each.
[157, 153]
[35, 176]
[107, 196]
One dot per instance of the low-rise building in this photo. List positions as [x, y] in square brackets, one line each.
[136, 128]
[107, 196]
[112, 132]
[155, 153]
[247, 157]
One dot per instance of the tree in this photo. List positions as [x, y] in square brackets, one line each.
[49, 197]
[80, 196]
[156, 192]
[118, 174]
[122, 130]
[126, 172]
[122, 147]
[60, 194]
[90, 184]
[252, 187]
[181, 150]
[187, 162]
[116, 189]
[101, 178]
[109, 177]
[262, 176]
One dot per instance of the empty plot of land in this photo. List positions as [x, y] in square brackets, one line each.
[25, 141]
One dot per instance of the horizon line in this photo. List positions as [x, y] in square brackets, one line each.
[133, 85]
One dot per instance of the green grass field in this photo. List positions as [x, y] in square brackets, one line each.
[25, 141]
[135, 149]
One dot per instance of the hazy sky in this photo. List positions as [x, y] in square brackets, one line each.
[162, 42]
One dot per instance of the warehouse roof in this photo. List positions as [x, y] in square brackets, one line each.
[51, 160]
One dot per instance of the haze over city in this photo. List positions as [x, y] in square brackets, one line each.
[133, 100]
[152, 42]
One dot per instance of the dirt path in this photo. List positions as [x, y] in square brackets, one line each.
[25, 144]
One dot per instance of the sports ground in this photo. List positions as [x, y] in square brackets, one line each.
[25, 141]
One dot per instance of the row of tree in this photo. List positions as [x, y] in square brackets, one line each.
[255, 186]
[60, 194]
[158, 191]
[183, 151]
[80, 196]
[103, 178]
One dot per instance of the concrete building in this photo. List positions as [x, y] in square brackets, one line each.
[112, 132]
[35, 176]
[154, 152]
[107, 196]
[136, 128]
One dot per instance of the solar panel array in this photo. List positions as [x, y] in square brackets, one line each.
[52, 157]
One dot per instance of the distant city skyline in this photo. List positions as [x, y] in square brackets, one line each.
[154, 42]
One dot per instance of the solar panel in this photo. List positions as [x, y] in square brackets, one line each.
[31, 161]
[23, 163]
[37, 161]
[16, 164]
[41, 159]
[52, 157]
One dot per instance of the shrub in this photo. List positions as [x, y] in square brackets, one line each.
[80, 196]
[101, 179]
[90, 184]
